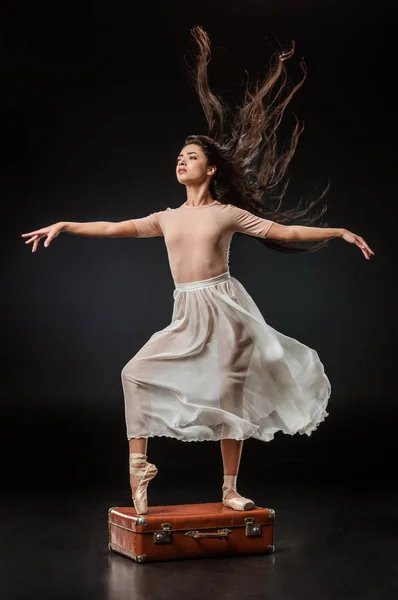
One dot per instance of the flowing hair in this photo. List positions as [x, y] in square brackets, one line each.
[250, 172]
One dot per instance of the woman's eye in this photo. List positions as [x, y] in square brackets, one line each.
[195, 157]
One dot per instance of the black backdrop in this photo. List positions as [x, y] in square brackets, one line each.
[95, 108]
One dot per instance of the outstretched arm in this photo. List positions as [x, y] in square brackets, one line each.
[91, 229]
[148, 226]
[301, 233]
[100, 228]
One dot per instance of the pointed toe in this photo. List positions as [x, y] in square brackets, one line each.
[146, 473]
[235, 503]
[239, 503]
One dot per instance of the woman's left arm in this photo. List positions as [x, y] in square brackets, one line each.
[301, 233]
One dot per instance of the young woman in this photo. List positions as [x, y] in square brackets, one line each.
[218, 371]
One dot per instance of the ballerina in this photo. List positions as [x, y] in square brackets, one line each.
[219, 371]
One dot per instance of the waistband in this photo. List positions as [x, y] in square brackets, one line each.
[203, 283]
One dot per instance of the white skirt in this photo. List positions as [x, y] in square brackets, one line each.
[218, 370]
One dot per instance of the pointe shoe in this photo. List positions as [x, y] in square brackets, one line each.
[147, 472]
[235, 503]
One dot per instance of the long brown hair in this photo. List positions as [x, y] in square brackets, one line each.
[250, 172]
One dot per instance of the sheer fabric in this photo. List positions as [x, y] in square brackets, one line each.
[218, 370]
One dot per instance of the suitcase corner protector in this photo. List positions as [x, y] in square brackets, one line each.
[139, 558]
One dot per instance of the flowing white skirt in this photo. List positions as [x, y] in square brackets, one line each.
[218, 370]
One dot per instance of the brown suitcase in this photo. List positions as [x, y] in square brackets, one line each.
[190, 531]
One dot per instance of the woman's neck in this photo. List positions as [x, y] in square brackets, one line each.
[198, 197]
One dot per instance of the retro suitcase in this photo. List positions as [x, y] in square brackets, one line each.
[190, 531]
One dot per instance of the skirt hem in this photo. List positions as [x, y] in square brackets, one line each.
[267, 437]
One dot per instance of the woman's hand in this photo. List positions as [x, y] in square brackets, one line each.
[350, 237]
[49, 232]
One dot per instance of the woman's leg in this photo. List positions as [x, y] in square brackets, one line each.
[231, 451]
[137, 445]
[234, 360]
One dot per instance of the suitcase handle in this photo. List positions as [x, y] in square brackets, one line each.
[220, 534]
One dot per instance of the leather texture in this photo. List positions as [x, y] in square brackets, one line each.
[133, 535]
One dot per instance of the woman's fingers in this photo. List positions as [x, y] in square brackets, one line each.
[367, 252]
[364, 251]
[350, 237]
[35, 239]
[364, 245]
[31, 239]
[37, 232]
[50, 233]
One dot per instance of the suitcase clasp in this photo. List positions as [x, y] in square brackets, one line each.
[162, 537]
[251, 528]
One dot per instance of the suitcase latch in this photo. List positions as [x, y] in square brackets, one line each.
[162, 537]
[251, 528]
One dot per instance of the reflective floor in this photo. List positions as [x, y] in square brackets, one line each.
[335, 537]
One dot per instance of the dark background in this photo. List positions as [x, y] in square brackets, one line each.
[95, 108]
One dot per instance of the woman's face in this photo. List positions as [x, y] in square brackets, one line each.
[194, 162]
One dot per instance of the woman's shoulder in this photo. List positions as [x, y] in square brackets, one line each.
[225, 205]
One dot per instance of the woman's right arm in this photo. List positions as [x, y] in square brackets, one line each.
[91, 229]
[101, 229]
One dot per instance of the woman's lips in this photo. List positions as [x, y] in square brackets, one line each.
[182, 170]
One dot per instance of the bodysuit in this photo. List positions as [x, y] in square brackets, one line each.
[198, 238]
